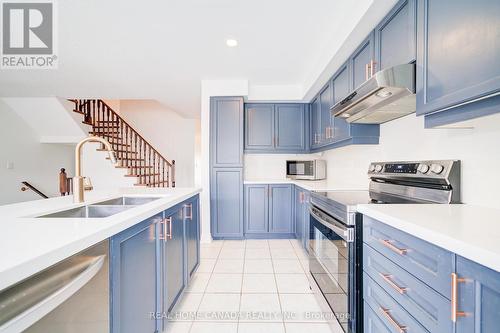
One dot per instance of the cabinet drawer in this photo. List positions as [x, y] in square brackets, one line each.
[371, 322]
[429, 263]
[431, 309]
[390, 313]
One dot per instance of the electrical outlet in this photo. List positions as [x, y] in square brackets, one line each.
[10, 165]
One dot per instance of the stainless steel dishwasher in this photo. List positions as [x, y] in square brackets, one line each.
[70, 296]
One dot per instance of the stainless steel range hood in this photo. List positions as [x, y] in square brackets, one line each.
[387, 95]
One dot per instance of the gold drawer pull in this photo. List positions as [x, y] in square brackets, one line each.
[387, 243]
[388, 278]
[454, 297]
[387, 315]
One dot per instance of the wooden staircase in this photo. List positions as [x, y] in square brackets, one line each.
[133, 152]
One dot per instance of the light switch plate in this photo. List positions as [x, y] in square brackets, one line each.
[10, 165]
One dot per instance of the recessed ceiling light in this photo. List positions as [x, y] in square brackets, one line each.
[231, 42]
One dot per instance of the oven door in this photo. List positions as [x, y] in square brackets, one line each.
[332, 264]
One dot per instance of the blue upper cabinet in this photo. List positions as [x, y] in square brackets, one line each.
[361, 60]
[340, 89]
[226, 145]
[290, 127]
[478, 292]
[259, 127]
[276, 128]
[315, 123]
[395, 36]
[458, 52]
[326, 102]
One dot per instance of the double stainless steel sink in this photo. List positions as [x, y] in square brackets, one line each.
[102, 209]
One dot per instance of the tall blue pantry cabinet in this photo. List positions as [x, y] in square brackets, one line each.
[226, 167]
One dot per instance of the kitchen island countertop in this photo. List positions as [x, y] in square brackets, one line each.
[28, 244]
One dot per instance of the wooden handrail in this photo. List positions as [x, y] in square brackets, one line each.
[135, 153]
[33, 188]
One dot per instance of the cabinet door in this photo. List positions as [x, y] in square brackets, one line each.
[256, 209]
[192, 224]
[226, 132]
[305, 212]
[226, 202]
[259, 127]
[173, 257]
[326, 103]
[280, 208]
[478, 297]
[299, 215]
[315, 122]
[133, 277]
[340, 83]
[290, 129]
[457, 54]
[395, 36]
[360, 59]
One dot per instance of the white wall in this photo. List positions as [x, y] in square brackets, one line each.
[172, 135]
[406, 139]
[102, 173]
[35, 162]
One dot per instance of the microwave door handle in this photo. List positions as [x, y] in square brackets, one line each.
[342, 232]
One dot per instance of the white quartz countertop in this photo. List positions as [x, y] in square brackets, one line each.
[29, 245]
[470, 231]
[309, 185]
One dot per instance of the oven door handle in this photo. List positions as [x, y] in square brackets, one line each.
[344, 232]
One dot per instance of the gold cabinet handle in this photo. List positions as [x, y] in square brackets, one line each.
[387, 243]
[373, 66]
[190, 215]
[386, 313]
[170, 228]
[388, 278]
[367, 71]
[455, 280]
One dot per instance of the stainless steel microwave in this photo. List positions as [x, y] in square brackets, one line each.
[306, 170]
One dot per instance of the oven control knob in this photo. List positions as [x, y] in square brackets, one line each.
[378, 168]
[423, 168]
[437, 168]
[371, 168]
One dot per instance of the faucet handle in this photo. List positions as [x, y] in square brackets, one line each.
[87, 184]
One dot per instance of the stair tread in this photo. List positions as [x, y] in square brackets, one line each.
[152, 183]
[128, 159]
[119, 151]
[144, 175]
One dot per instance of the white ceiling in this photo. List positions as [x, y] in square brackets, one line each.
[161, 50]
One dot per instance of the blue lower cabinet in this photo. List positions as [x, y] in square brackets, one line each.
[427, 306]
[134, 278]
[478, 292]
[173, 257]
[392, 316]
[256, 209]
[226, 203]
[192, 229]
[280, 209]
[301, 200]
[428, 262]
[269, 211]
[372, 323]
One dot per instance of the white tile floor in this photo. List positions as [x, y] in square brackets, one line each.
[250, 286]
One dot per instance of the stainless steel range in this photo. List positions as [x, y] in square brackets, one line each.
[335, 233]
